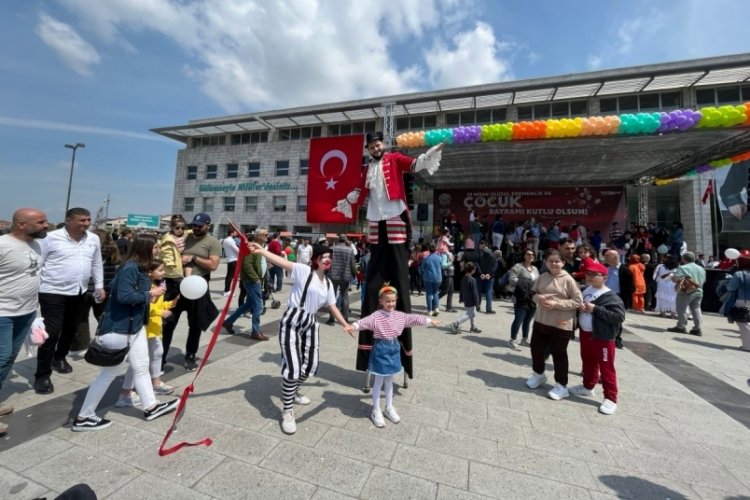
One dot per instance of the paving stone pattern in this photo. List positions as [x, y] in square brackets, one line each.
[470, 428]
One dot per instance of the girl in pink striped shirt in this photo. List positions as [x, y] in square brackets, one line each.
[385, 359]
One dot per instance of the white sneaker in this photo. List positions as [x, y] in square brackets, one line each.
[558, 392]
[301, 400]
[536, 380]
[608, 407]
[512, 344]
[288, 424]
[390, 414]
[377, 418]
[580, 390]
[132, 400]
[525, 342]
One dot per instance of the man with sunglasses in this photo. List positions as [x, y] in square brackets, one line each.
[201, 254]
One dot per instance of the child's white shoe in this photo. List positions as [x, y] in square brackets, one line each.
[390, 414]
[377, 417]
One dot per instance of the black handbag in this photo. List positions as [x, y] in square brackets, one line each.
[98, 355]
[740, 314]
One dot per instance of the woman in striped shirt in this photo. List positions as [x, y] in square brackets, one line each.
[386, 325]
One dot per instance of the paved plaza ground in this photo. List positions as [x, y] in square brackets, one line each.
[470, 427]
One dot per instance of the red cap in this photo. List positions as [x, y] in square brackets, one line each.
[589, 265]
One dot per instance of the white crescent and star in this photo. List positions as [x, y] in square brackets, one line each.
[334, 153]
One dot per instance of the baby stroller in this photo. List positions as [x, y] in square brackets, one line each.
[268, 294]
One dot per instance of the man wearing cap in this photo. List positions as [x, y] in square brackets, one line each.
[689, 279]
[389, 228]
[600, 320]
[201, 254]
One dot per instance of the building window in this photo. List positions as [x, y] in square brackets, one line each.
[608, 105]
[188, 204]
[579, 108]
[301, 203]
[483, 116]
[302, 229]
[251, 203]
[728, 95]
[233, 171]
[416, 122]
[229, 202]
[211, 171]
[192, 172]
[541, 111]
[648, 102]
[253, 169]
[213, 140]
[282, 168]
[628, 103]
[249, 138]
[279, 203]
[351, 128]
[525, 113]
[303, 165]
[705, 96]
[671, 100]
[208, 204]
[295, 134]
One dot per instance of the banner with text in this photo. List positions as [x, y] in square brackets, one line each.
[594, 207]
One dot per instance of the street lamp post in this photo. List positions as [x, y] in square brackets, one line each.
[72, 163]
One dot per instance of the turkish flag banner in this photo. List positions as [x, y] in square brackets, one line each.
[335, 170]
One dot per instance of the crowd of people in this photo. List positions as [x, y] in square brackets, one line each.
[560, 279]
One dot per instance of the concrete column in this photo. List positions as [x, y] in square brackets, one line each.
[696, 217]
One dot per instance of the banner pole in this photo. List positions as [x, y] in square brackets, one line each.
[714, 211]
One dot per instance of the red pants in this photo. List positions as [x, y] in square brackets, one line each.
[598, 357]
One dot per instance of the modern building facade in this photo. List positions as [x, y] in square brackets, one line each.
[252, 168]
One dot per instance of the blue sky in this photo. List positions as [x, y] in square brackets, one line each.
[104, 72]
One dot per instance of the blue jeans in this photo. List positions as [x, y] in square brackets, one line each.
[485, 290]
[278, 273]
[522, 316]
[13, 331]
[432, 291]
[254, 303]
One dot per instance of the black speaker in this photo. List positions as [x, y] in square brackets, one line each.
[422, 212]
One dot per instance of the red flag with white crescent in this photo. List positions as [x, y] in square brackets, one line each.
[335, 169]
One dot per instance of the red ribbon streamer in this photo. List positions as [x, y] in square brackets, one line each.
[191, 387]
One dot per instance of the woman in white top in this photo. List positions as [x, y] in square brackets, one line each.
[299, 328]
[666, 296]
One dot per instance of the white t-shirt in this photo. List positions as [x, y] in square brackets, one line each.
[231, 250]
[304, 254]
[318, 294]
[20, 275]
[590, 294]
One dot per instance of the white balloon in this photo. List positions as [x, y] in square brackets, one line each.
[193, 287]
[662, 249]
[731, 253]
